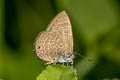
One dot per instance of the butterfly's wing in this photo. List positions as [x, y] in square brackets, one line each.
[48, 46]
[62, 27]
[36, 44]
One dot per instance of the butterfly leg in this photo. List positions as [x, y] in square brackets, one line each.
[72, 63]
[63, 63]
[54, 63]
[67, 63]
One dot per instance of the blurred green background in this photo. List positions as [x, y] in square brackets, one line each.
[96, 32]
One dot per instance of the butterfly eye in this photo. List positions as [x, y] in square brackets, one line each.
[40, 47]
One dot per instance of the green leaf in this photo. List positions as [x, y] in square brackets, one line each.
[58, 72]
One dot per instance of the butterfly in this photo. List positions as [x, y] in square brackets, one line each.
[55, 44]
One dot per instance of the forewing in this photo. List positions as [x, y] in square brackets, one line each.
[62, 27]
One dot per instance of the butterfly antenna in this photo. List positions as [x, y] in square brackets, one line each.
[82, 56]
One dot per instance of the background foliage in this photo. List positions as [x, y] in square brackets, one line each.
[96, 32]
